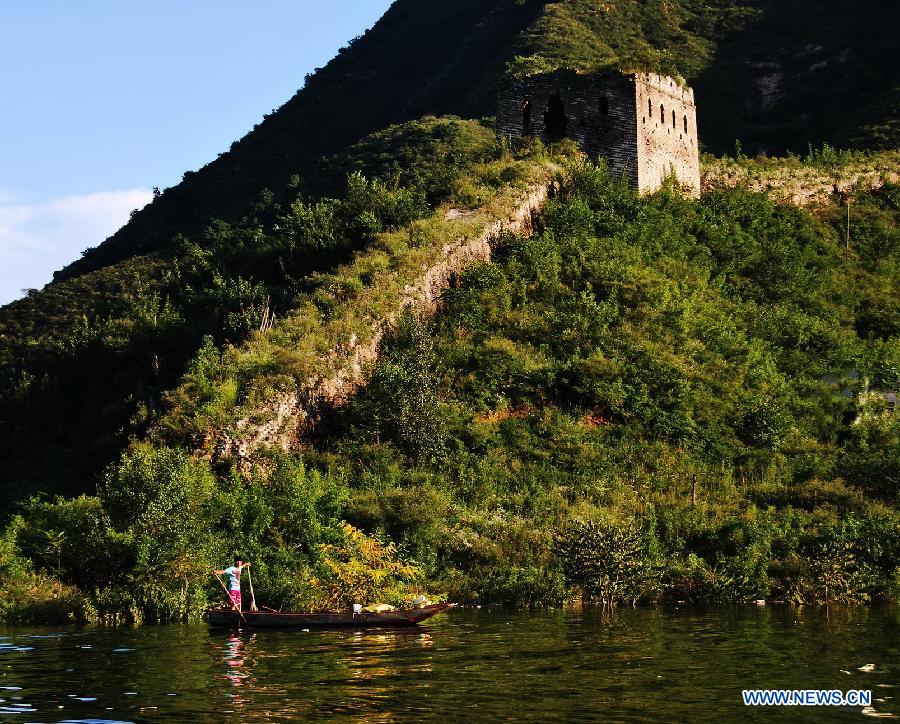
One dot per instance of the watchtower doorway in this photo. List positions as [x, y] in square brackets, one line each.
[555, 121]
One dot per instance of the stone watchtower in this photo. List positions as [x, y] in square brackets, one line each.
[644, 125]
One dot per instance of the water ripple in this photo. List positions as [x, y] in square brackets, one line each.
[632, 665]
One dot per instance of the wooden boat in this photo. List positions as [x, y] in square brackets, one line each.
[228, 617]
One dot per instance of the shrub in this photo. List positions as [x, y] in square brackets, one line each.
[401, 403]
[73, 540]
[163, 504]
[362, 569]
[607, 564]
[522, 586]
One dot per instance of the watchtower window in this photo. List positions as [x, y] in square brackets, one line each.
[604, 105]
[650, 107]
[555, 118]
[685, 124]
[662, 114]
[673, 120]
[526, 117]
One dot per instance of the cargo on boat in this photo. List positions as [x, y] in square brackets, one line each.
[230, 618]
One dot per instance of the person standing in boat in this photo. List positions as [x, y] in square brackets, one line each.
[234, 580]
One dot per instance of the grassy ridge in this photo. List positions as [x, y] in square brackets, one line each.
[348, 305]
[84, 365]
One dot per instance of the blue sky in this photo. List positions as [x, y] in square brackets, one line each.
[104, 99]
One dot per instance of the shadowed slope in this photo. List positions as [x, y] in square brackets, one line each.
[393, 73]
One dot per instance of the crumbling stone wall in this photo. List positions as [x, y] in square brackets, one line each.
[801, 185]
[613, 115]
[294, 413]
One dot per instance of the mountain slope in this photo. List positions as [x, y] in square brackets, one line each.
[761, 76]
[420, 58]
[394, 72]
[645, 400]
[804, 72]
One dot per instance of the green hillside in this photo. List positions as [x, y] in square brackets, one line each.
[648, 399]
[836, 83]
[84, 364]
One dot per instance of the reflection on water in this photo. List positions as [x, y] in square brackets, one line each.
[632, 665]
[238, 668]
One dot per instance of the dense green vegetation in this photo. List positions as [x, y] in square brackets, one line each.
[677, 39]
[650, 398]
[634, 347]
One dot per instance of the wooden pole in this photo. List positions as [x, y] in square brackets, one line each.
[694, 490]
[252, 595]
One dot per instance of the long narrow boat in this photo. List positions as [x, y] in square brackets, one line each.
[228, 617]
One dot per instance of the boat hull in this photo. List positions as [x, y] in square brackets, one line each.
[229, 618]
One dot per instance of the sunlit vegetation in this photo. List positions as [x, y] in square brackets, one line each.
[649, 399]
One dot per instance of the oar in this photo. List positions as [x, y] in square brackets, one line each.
[252, 595]
[233, 605]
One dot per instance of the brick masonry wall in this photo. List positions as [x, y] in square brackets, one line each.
[667, 133]
[600, 114]
[607, 114]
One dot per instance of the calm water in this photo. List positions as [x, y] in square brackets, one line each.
[635, 665]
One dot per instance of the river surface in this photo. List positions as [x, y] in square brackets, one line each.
[645, 664]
